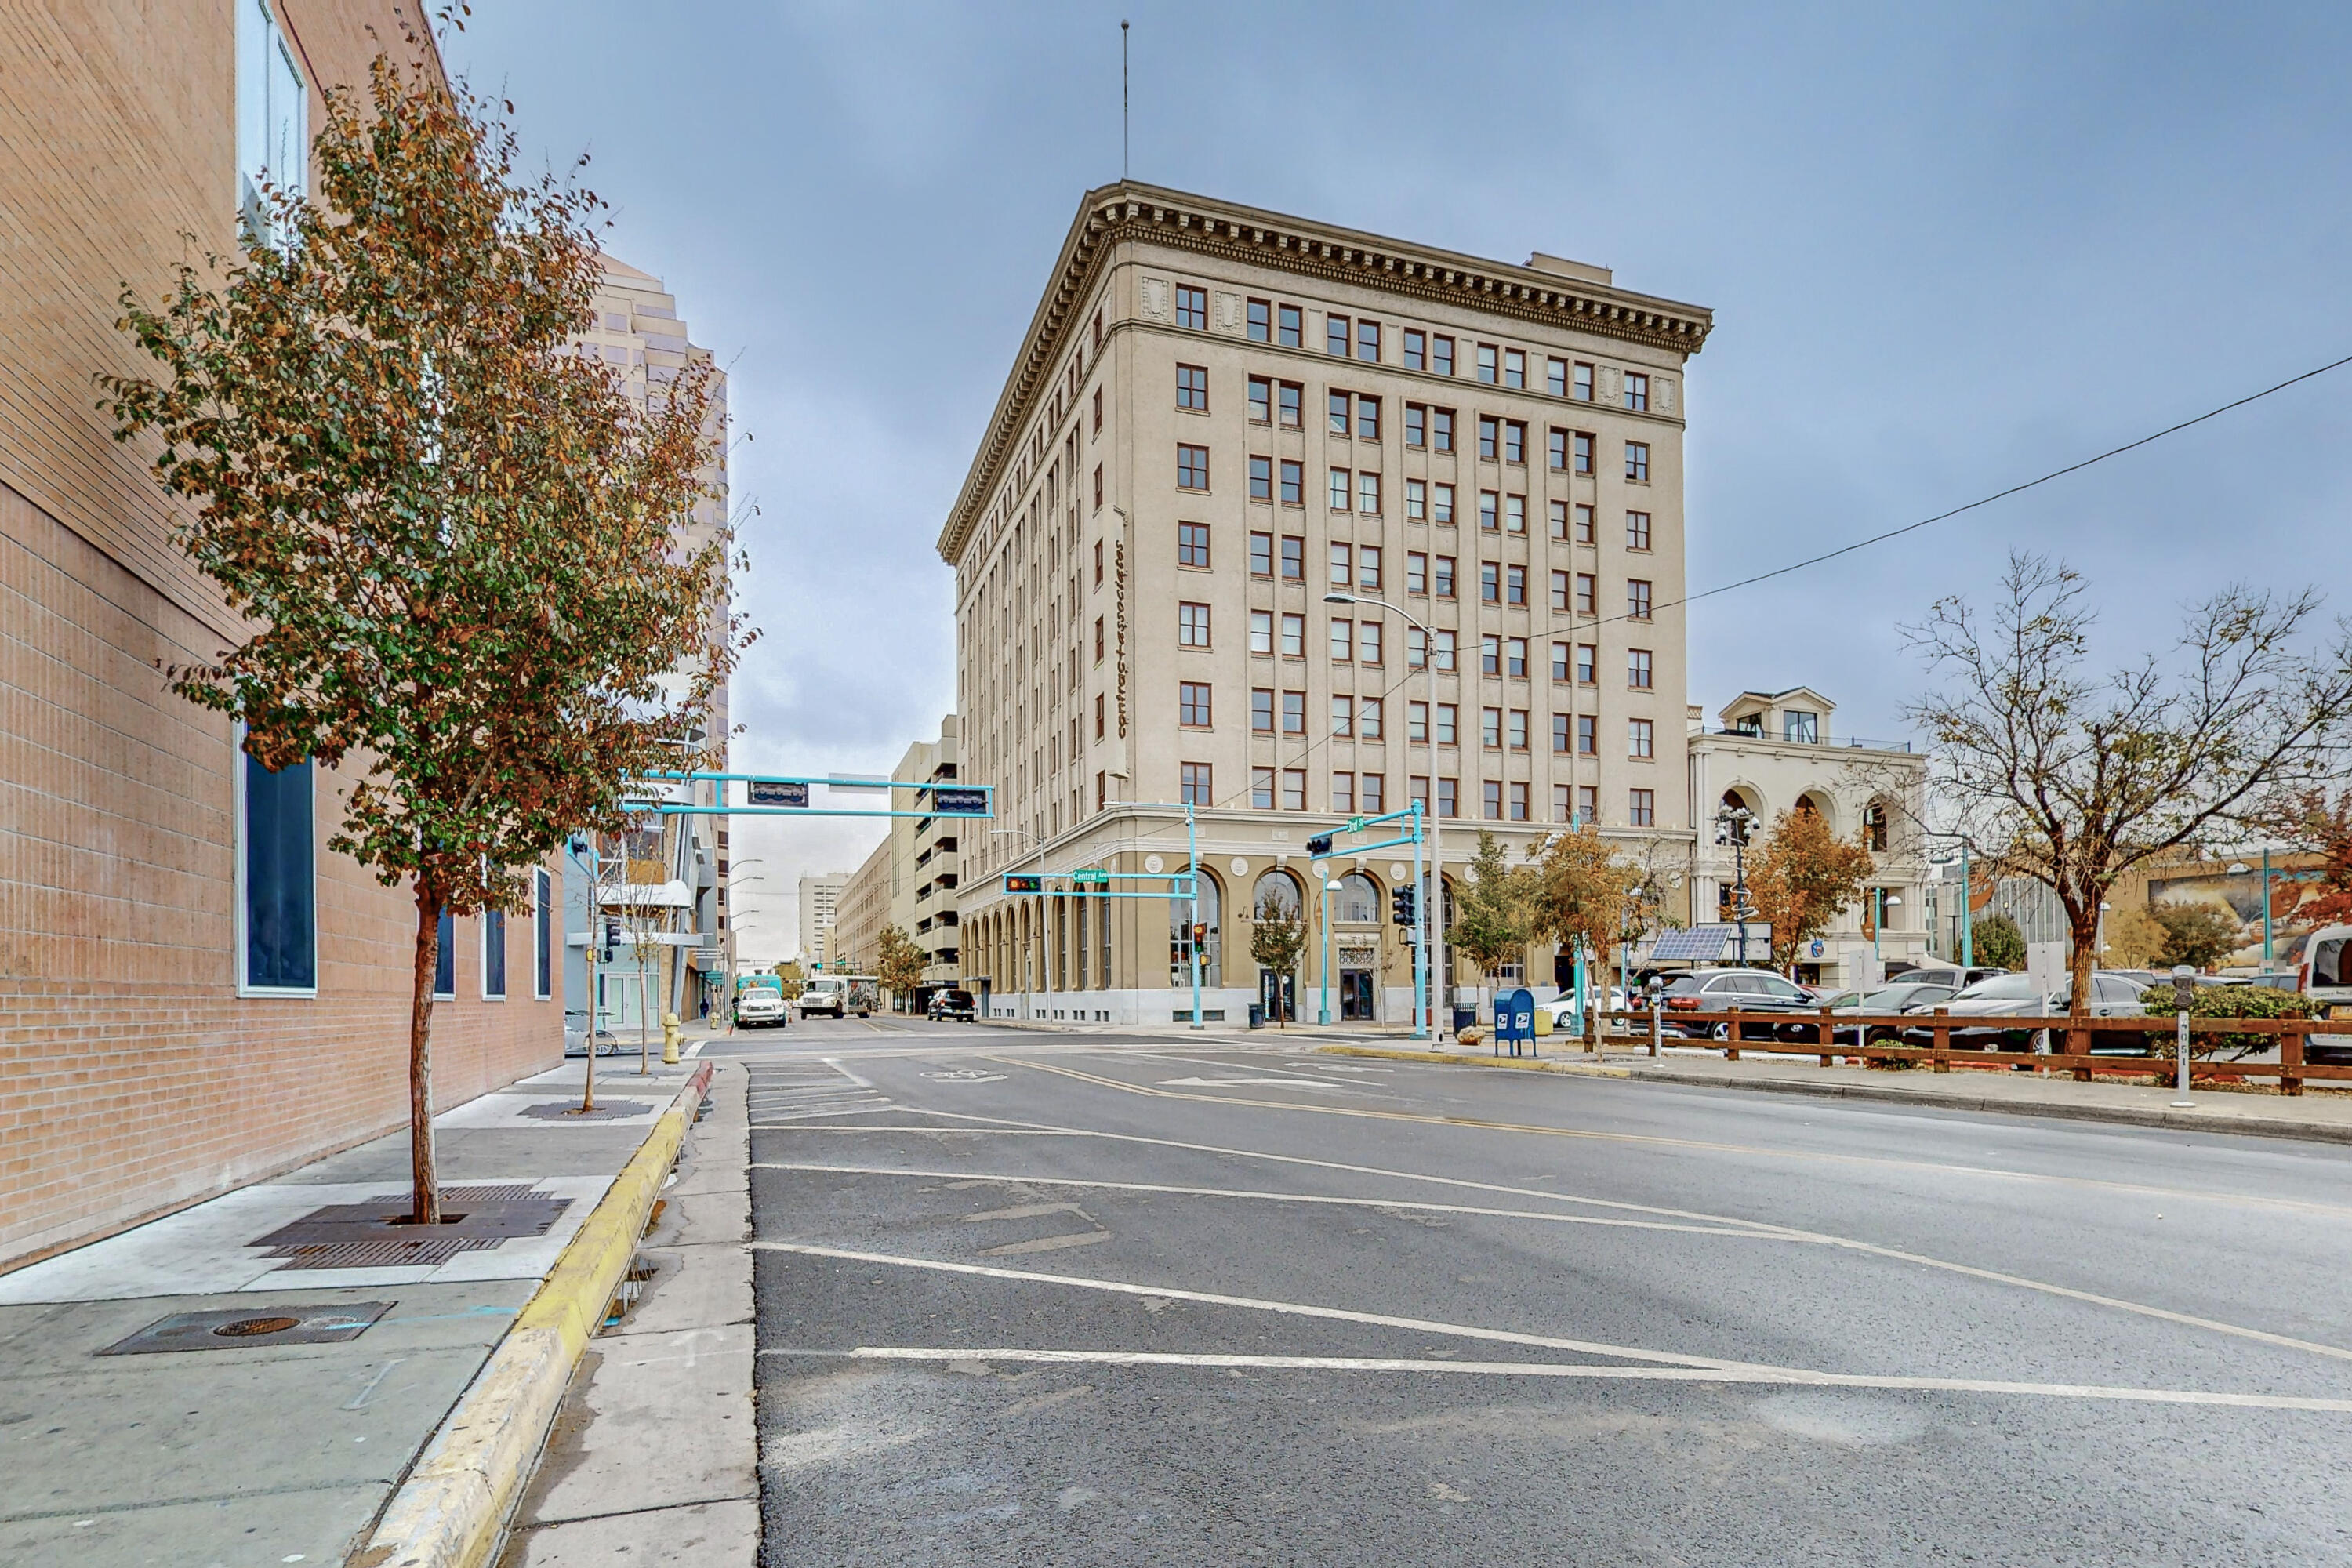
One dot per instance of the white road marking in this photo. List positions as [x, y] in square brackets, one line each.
[835, 1063]
[1255, 1304]
[1482, 1124]
[1241, 1082]
[1046, 1244]
[1731, 1229]
[1763, 1375]
[2283, 1341]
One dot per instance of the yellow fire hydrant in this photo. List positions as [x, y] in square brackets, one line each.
[670, 1039]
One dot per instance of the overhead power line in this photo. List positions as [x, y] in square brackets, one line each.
[1576, 623]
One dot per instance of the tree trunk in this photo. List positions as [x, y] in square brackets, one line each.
[2083, 928]
[424, 1201]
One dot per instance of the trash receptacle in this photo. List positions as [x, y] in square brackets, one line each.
[1464, 1017]
[1257, 1015]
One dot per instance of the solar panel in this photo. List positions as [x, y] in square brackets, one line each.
[1711, 944]
[1699, 944]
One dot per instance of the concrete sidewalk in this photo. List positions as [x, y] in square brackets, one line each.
[275, 1427]
[2315, 1114]
[654, 1457]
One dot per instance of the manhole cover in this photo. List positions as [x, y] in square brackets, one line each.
[566, 1111]
[376, 1233]
[241, 1326]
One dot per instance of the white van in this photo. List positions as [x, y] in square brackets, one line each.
[2325, 976]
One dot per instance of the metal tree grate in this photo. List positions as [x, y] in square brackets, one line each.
[374, 1234]
[564, 1111]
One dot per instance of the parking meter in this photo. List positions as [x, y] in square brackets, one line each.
[2184, 992]
[1657, 989]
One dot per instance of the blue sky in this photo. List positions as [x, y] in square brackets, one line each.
[1947, 249]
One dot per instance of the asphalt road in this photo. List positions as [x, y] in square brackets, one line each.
[1030, 1299]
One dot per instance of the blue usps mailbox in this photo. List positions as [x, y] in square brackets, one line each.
[1515, 1019]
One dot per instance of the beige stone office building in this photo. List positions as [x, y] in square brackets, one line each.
[910, 878]
[819, 908]
[1219, 416]
[1769, 752]
[638, 332]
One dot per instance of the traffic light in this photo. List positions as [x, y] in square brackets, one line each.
[1320, 845]
[1018, 883]
[1400, 902]
[1200, 934]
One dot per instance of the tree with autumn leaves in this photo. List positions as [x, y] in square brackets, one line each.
[898, 963]
[1800, 875]
[454, 541]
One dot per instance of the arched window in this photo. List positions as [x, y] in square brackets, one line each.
[1358, 901]
[1180, 951]
[1874, 828]
[1280, 887]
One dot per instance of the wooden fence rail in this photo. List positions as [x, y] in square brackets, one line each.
[1828, 1036]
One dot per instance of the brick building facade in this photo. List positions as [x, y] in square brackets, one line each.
[139, 1070]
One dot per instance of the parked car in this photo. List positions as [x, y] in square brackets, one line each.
[1939, 974]
[2112, 995]
[1749, 990]
[952, 1005]
[1902, 996]
[1563, 1008]
[2326, 974]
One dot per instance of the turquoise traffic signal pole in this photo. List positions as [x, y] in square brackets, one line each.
[1192, 849]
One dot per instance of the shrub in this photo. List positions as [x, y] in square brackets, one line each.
[2225, 1002]
[1998, 943]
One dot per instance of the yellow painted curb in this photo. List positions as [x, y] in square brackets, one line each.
[1460, 1058]
[452, 1509]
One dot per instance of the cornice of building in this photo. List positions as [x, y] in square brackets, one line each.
[1118, 213]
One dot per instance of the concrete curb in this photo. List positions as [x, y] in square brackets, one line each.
[1949, 1099]
[453, 1508]
[1465, 1058]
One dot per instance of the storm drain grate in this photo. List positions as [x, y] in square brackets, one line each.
[376, 1233]
[564, 1111]
[240, 1326]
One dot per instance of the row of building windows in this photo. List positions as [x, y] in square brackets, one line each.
[1356, 415]
[1501, 800]
[1364, 718]
[1193, 618]
[1360, 338]
[1285, 480]
[1365, 642]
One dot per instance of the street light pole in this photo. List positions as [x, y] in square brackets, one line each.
[1431, 907]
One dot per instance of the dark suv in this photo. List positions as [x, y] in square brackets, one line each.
[951, 1004]
[1749, 990]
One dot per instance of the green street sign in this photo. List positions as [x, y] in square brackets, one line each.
[1355, 825]
[1090, 877]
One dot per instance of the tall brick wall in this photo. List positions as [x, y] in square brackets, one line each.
[133, 1077]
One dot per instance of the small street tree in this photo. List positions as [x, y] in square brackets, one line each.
[1278, 938]
[2197, 932]
[2309, 818]
[453, 539]
[1581, 893]
[898, 963]
[2072, 780]
[1801, 875]
[1491, 918]
[1999, 943]
[2134, 940]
